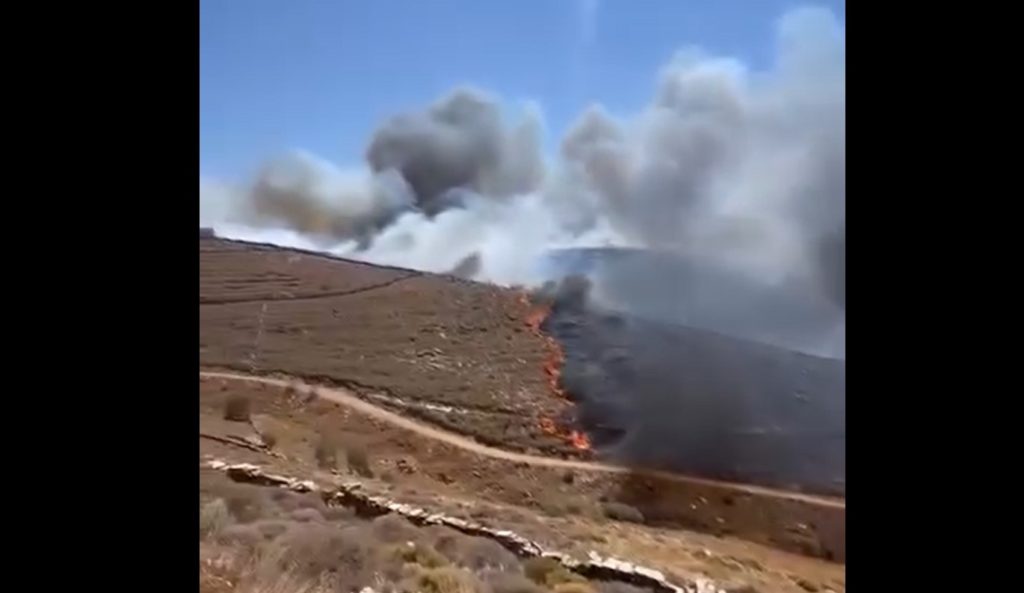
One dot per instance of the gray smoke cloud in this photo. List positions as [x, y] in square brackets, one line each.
[739, 170]
[460, 143]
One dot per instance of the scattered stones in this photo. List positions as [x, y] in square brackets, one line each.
[351, 495]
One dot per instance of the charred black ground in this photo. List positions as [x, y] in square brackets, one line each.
[662, 395]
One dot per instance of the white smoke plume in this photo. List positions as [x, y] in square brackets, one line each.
[736, 168]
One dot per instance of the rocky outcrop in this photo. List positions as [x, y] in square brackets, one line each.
[351, 495]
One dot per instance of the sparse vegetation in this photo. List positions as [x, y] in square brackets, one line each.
[326, 453]
[248, 503]
[213, 517]
[315, 549]
[358, 460]
[622, 512]
[245, 538]
[394, 529]
[617, 587]
[277, 538]
[365, 363]
[514, 583]
[553, 508]
[237, 408]
[574, 587]
[306, 515]
[477, 553]
[444, 580]
[549, 572]
[419, 554]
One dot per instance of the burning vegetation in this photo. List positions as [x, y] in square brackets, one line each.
[554, 358]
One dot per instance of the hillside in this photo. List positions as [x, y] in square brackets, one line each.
[442, 384]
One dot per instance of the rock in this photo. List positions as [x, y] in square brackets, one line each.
[406, 466]
[350, 495]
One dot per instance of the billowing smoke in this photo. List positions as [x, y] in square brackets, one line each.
[459, 144]
[739, 171]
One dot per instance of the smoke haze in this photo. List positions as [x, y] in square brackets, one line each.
[740, 171]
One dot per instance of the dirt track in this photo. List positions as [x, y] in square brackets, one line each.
[350, 400]
[453, 366]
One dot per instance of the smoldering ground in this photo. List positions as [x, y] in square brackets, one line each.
[667, 396]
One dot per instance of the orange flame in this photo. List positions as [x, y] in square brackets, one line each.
[553, 361]
[536, 317]
[579, 440]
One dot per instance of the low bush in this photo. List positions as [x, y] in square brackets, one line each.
[622, 512]
[237, 408]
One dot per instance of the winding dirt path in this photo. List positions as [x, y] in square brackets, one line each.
[352, 401]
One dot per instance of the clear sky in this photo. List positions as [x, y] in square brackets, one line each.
[321, 74]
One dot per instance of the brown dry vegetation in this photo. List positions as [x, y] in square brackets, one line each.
[394, 334]
[400, 339]
[265, 539]
[507, 495]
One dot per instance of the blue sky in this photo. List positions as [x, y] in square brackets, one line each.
[321, 74]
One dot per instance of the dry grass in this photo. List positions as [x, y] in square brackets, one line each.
[549, 572]
[248, 503]
[279, 541]
[514, 583]
[573, 588]
[461, 343]
[213, 517]
[358, 460]
[444, 580]
[237, 408]
[419, 554]
[622, 512]
[326, 453]
[285, 582]
[395, 529]
[476, 553]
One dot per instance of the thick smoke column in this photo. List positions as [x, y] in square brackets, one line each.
[741, 172]
[459, 144]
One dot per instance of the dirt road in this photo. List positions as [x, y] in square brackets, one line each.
[350, 400]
